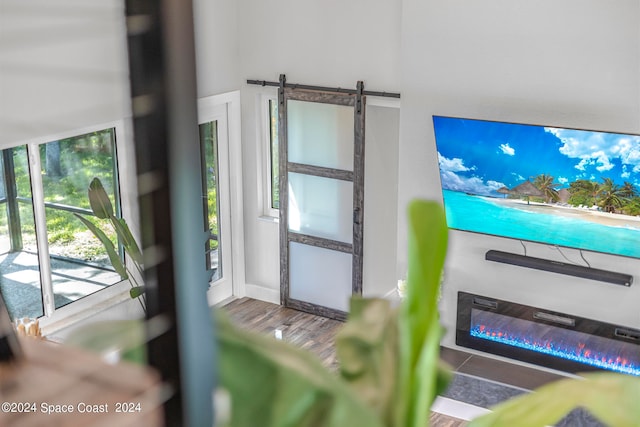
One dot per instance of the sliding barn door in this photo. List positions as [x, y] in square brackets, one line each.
[321, 199]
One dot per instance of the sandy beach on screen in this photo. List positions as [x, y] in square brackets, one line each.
[604, 218]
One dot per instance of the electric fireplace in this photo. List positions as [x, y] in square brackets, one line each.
[546, 338]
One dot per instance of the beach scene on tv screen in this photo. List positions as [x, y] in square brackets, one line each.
[562, 187]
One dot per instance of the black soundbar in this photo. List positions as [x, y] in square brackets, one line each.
[560, 267]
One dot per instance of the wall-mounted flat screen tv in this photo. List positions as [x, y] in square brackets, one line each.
[561, 187]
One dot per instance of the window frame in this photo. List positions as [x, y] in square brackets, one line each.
[230, 160]
[264, 136]
[55, 319]
[220, 126]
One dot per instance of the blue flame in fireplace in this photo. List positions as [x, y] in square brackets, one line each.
[579, 353]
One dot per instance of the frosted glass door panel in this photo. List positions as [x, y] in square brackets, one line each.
[320, 276]
[321, 207]
[320, 134]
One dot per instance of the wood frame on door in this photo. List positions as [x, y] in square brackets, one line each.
[356, 176]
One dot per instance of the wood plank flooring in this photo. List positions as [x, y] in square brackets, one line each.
[441, 420]
[316, 334]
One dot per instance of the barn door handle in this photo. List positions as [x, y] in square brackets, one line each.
[356, 216]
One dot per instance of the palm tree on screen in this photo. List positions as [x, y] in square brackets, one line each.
[611, 195]
[629, 190]
[587, 192]
[544, 183]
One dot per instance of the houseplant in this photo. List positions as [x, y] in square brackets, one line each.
[103, 210]
[610, 397]
[390, 371]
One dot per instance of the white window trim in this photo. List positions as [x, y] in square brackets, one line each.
[87, 307]
[40, 219]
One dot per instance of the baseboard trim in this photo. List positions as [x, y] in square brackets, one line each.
[263, 294]
[273, 295]
[457, 409]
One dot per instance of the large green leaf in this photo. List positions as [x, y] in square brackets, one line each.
[99, 200]
[367, 349]
[613, 398]
[114, 257]
[389, 359]
[126, 238]
[420, 375]
[274, 384]
[394, 365]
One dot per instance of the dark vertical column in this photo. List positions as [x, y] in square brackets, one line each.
[162, 74]
[283, 194]
[358, 189]
[11, 191]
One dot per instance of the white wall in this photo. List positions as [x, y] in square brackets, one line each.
[570, 64]
[216, 41]
[381, 200]
[62, 67]
[330, 43]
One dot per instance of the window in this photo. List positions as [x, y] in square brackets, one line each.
[270, 166]
[210, 180]
[20, 271]
[222, 193]
[48, 257]
[273, 149]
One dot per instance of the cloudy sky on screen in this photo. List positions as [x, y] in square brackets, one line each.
[479, 157]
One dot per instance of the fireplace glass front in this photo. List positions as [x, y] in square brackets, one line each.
[546, 338]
